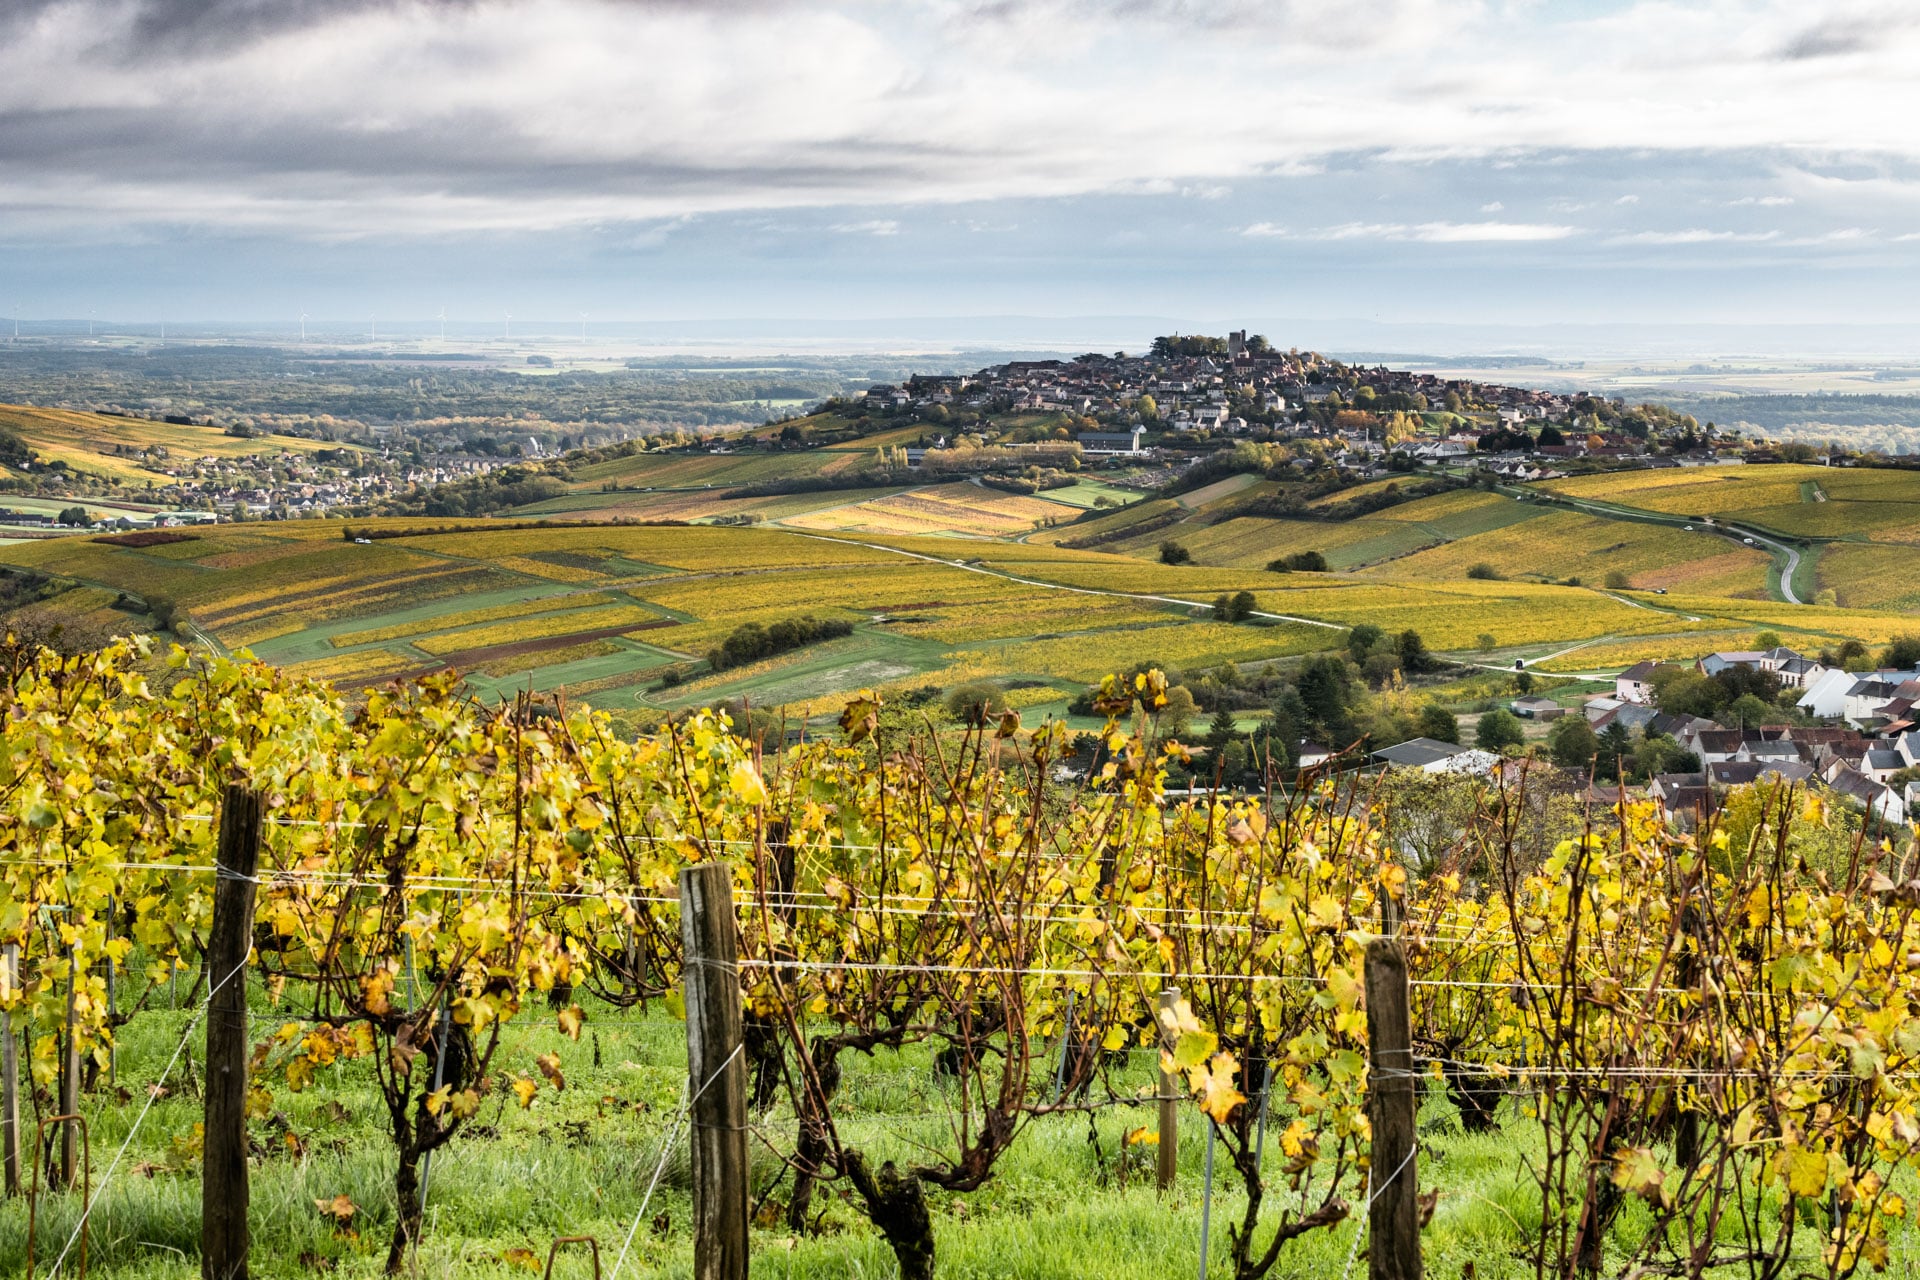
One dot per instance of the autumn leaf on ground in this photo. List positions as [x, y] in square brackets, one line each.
[518, 1257]
[340, 1209]
[524, 1089]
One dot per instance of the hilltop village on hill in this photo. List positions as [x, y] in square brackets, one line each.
[1155, 417]
[1196, 390]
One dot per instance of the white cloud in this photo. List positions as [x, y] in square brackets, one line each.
[1765, 202]
[1842, 235]
[871, 227]
[1628, 199]
[1264, 230]
[1444, 232]
[1492, 206]
[1696, 235]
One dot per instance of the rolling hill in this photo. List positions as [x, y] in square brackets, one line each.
[114, 448]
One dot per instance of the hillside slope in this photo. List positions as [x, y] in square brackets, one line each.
[112, 448]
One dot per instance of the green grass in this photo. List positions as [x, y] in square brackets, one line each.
[1086, 493]
[579, 1162]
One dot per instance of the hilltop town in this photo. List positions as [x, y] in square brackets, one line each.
[1189, 392]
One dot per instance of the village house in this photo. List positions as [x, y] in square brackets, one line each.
[1635, 684]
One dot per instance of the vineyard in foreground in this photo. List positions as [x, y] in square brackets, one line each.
[1699, 1046]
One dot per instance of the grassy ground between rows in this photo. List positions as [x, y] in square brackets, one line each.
[579, 1162]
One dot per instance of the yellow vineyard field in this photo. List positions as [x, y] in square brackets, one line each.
[1089, 656]
[959, 508]
[1871, 577]
[537, 628]
[1562, 544]
[367, 665]
[1694, 490]
[468, 617]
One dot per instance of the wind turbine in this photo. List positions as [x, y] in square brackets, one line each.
[303, 326]
[371, 336]
[509, 316]
[583, 328]
[89, 322]
[443, 324]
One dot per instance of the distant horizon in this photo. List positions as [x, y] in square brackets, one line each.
[960, 334]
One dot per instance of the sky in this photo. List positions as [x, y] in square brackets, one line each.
[1395, 162]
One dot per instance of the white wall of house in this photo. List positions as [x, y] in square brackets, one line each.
[1827, 696]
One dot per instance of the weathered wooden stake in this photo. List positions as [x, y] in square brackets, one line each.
[1266, 1094]
[223, 1186]
[1169, 1153]
[1066, 1048]
[70, 1076]
[1206, 1205]
[716, 1072]
[10, 1077]
[113, 1009]
[1393, 1241]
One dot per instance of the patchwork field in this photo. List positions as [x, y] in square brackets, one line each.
[956, 581]
[1382, 537]
[965, 509]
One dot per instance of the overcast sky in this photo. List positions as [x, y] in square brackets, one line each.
[1498, 160]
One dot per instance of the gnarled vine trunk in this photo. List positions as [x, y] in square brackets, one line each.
[897, 1204]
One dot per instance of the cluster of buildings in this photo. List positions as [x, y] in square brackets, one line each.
[1870, 737]
[1251, 388]
[1200, 391]
[280, 485]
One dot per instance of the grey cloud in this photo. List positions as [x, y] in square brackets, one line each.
[175, 25]
[1838, 36]
[135, 27]
[472, 156]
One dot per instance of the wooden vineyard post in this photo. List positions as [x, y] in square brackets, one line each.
[1393, 1240]
[223, 1187]
[1169, 1137]
[10, 1076]
[716, 1072]
[70, 1074]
